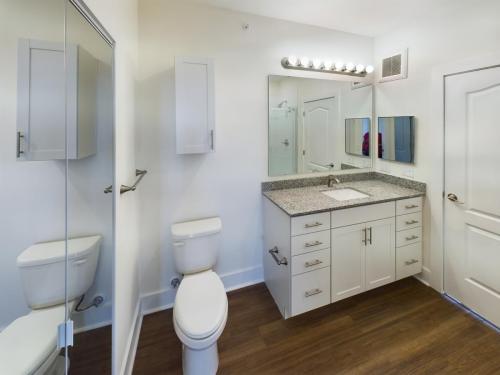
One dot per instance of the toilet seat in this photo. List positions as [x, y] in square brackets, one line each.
[200, 309]
[28, 341]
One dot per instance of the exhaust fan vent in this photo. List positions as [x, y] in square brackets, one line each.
[395, 67]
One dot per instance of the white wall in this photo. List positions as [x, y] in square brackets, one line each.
[119, 17]
[461, 34]
[227, 182]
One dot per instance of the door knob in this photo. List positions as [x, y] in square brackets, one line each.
[453, 197]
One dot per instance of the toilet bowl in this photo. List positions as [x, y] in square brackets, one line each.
[200, 307]
[29, 344]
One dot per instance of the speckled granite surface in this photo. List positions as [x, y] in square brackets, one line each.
[309, 199]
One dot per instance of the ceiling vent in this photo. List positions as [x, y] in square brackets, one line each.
[395, 67]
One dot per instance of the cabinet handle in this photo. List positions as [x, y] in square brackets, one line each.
[410, 262]
[274, 251]
[411, 206]
[311, 244]
[411, 238]
[312, 225]
[371, 235]
[364, 232]
[19, 151]
[313, 263]
[212, 139]
[410, 222]
[313, 292]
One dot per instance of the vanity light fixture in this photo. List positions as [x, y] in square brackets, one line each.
[327, 66]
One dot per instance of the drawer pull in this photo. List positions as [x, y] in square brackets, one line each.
[409, 206]
[274, 251]
[410, 222]
[313, 263]
[313, 292]
[312, 225]
[411, 238]
[410, 262]
[311, 244]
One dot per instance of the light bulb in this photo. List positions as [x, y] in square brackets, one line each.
[360, 68]
[339, 66]
[349, 67]
[328, 64]
[317, 64]
[369, 69]
[304, 61]
[292, 60]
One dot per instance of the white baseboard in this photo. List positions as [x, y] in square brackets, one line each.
[424, 276]
[164, 299]
[131, 348]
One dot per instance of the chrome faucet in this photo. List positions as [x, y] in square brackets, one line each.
[332, 180]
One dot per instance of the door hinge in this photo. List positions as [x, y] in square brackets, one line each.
[65, 334]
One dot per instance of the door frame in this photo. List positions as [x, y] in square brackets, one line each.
[435, 196]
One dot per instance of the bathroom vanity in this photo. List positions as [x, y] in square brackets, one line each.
[320, 250]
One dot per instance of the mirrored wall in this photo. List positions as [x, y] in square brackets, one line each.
[56, 159]
[318, 126]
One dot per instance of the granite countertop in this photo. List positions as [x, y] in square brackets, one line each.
[308, 200]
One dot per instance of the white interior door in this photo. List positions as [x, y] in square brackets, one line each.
[472, 187]
[320, 124]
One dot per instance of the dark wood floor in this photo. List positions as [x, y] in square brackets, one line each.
[402, 328]
[91, 353]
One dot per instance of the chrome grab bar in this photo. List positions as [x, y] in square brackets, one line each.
[124, 188]
[410, 262]
[311, 244]
[274, 251]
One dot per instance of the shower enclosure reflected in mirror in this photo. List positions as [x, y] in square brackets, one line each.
[56, 158]
[306, 125]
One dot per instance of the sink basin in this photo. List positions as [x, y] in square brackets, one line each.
[345, 194]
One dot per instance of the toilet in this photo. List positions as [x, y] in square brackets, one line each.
[29, 344]
[200, 307]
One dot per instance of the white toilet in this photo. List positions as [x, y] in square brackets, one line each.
[28, 345]
[200, 308]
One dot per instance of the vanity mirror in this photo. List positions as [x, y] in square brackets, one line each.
[396, 138]
[318, 125]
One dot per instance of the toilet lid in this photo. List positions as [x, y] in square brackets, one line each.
[29, 340]
[200, 304]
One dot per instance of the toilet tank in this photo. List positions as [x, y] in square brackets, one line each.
[42, 270]
[196, 244]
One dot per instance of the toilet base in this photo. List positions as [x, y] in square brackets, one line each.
[200, 362]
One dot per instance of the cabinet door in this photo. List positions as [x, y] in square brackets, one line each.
[348, 261]
[380, 253]
[194, 105]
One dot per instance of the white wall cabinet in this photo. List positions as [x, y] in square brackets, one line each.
[312, 260]
[44, 115]
[194, 105]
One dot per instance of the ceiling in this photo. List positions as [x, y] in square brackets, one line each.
[365, 17]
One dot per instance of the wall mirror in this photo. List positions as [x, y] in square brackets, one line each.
[318, 125]
[396, 138]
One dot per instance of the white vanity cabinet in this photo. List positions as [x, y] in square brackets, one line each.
[313, 260]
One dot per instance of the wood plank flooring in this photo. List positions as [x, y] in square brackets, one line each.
[402, 328]
[91, 354]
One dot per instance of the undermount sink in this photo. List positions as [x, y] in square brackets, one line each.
[345, 194]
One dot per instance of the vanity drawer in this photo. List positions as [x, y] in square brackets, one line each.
[407, 206]
[408, 260]
[310, 261]
[409, 221]
[310, 242]
[408, 236]
[310, 290]
[310, 223]
[363, 214]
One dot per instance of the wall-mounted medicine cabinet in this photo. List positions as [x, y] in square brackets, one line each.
[43, 113]
[194, 105]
